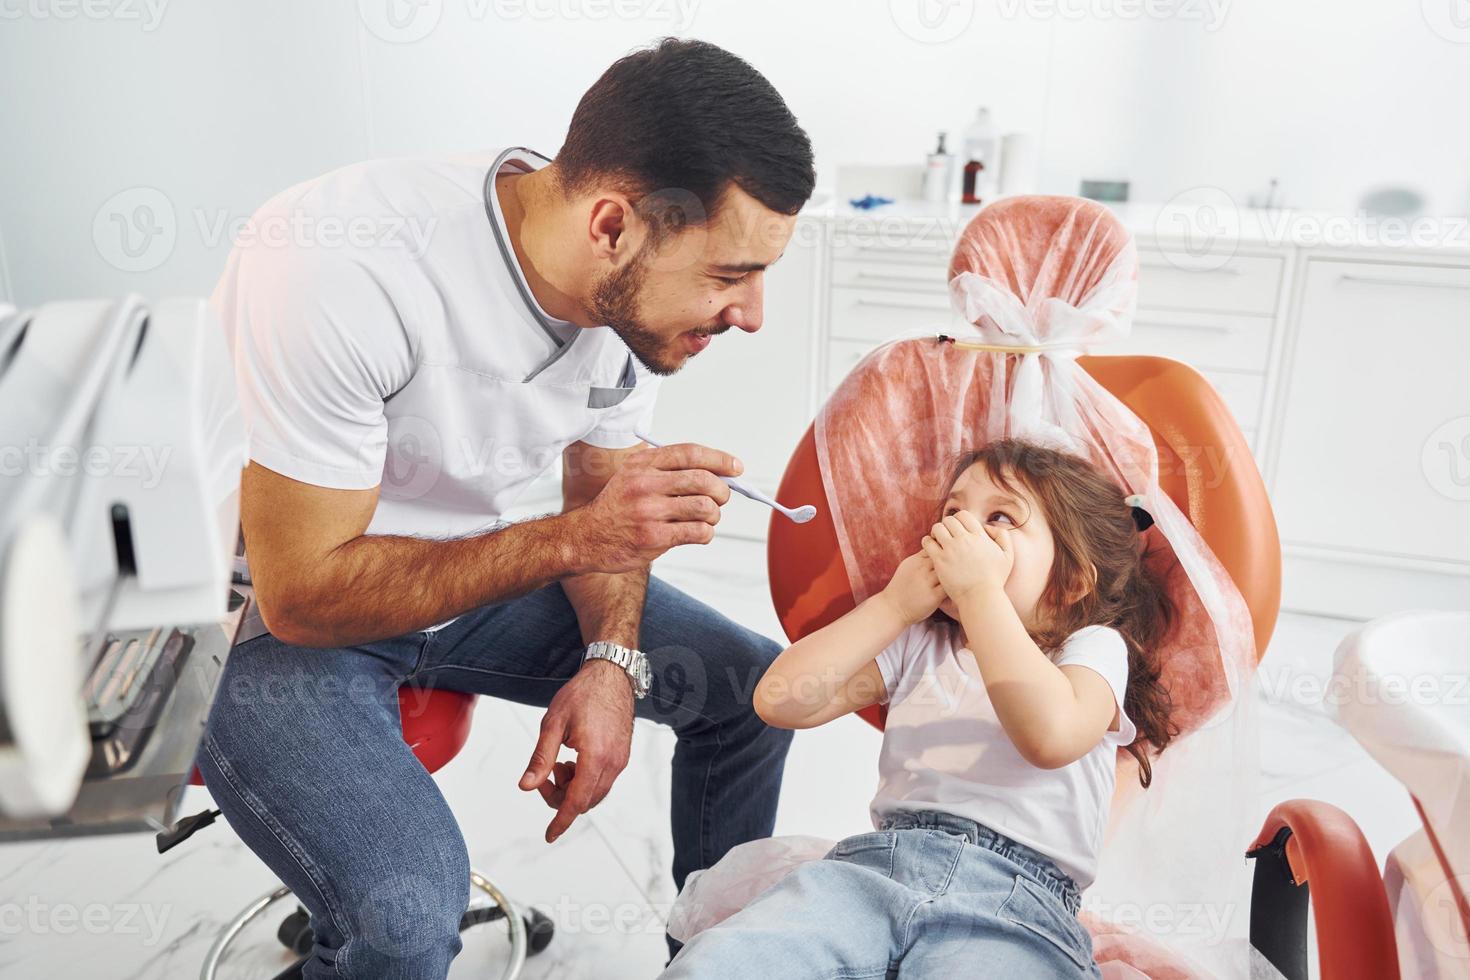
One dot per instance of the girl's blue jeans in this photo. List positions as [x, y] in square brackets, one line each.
[930, 895]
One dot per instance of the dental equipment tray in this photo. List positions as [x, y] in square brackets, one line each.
[131, 682]
[148, 696]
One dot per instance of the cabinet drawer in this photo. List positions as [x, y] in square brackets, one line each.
[881, 314]
[1244, 284]
[1202, 340]
[892, 275]
[900, 250]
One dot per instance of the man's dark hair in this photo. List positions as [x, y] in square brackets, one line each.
[688, 117]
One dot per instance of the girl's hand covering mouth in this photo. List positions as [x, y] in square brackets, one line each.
[914, 591]
[968, 555]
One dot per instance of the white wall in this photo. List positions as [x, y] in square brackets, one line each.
[1331, 98]
[216, 104]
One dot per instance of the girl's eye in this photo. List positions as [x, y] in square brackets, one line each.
[1001, 514]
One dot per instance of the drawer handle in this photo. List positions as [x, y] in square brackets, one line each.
[935, 248]
[1387, 281]
[896, 305]
[1224, 270]
[1198, 327]
[906, 280]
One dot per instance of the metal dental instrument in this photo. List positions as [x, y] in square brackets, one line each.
[799, 515]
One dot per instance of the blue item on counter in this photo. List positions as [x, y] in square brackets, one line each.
[870, 202]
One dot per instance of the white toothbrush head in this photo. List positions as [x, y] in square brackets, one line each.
[801, 515]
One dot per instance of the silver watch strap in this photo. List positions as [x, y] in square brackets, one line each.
[634, 663]
[605, 650]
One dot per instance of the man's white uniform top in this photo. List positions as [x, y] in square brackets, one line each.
[383, 335]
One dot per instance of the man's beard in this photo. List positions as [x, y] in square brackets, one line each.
[615, 303]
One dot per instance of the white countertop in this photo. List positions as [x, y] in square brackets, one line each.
[1215, 223]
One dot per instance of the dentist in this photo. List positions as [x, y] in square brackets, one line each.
[401, 388]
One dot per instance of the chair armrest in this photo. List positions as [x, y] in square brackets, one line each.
[1308, 842]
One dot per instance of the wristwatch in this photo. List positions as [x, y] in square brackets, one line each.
[633, 662]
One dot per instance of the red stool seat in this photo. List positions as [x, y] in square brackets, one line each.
[436, 724]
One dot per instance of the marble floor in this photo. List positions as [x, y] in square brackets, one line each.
[113, 908]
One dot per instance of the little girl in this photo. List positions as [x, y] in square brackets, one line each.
[1012, 651]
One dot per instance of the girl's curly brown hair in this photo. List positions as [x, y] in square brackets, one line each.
[1092, 526]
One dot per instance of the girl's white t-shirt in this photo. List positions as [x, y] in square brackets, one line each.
[944, 748]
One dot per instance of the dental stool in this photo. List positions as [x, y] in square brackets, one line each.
[436, 724]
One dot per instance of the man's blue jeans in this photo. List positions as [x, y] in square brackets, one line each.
[304, 754]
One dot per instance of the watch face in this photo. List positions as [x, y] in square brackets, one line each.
[645, 676]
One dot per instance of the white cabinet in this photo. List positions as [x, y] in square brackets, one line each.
[1372, 462]
[1243, 283]
[876, 315]
[879, 290]
[1205, 339]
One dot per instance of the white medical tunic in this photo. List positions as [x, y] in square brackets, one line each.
[383, 335]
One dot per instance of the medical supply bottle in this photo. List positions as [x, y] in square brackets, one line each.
[980, 155]
[938, 173]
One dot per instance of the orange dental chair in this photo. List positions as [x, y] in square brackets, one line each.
[1302, 842]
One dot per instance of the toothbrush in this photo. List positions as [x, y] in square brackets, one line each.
[799, 515]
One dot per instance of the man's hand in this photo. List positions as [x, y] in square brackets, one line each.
[658, 499]
[968, 554]
[592, 714]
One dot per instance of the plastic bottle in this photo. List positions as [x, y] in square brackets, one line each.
[938, 173]
[981, 160]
